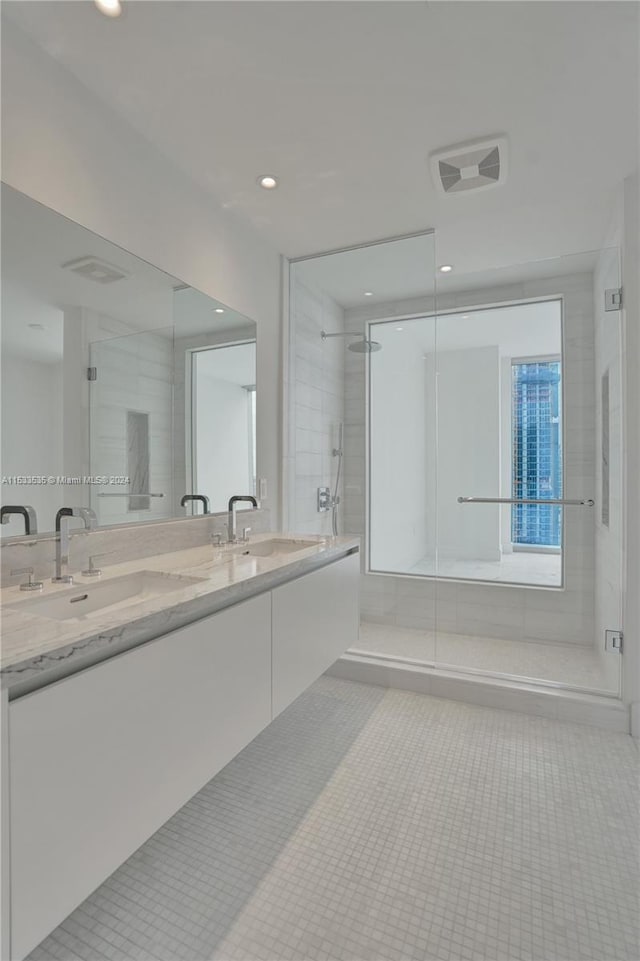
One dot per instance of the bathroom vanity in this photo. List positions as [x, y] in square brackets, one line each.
[122, 698]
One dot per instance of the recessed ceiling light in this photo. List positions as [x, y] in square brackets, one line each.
[445, 269]
[37, 326]
[219, 310]
[110, 8]
[368, 293]
[268, 182]
[465, 316]
[399, 328]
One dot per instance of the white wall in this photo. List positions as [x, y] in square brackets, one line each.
[222, 440]
[315, 402]
[31, 436]
[182, 466]
[62, 146]
[468, 452]
[400, 465]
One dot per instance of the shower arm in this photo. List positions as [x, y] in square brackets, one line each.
[342, 333]
[361, 343]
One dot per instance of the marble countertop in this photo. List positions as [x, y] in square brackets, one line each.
[37, 650]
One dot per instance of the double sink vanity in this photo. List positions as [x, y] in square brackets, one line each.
[146, 639]
[124, 693]
[117, 591]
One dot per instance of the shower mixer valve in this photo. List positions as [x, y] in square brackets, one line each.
[325, 501]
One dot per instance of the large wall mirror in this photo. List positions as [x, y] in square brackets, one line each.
[123, 389]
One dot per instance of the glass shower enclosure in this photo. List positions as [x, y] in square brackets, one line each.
[482, 456]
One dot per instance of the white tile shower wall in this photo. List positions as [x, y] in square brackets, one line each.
[316, 402]
[135, 373]
[512, 613]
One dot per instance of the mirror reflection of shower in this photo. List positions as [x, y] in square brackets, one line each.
[362, 345]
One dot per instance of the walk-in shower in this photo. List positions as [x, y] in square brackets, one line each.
[480, 460]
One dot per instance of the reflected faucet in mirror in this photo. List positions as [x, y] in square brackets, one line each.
[206, 504]
[29, 514]
[236, 499]
[63, 537]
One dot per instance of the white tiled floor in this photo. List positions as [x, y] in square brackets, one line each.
[521, 567]
[577, 666]
[368, 823]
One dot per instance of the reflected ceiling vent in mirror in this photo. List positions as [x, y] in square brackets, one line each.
[94, 268]
[470, 166]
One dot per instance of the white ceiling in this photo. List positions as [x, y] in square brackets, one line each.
[344, 102]
[521, 330]
[393, 271]
[401, 270]
[36, 242]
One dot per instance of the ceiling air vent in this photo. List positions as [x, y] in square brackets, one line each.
[93, 268]
[470, 166]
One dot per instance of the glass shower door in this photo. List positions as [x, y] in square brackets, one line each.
[360, 351]
[529, 473]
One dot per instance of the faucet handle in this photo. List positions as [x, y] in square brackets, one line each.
[91, 570]
[29, 585]
[245, 534]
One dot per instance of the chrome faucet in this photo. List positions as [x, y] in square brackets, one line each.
[232, 514]
[206, 503]
[62, 542]
[29, 514]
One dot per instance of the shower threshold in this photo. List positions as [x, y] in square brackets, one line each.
[575, 667]
[386, 655]
[554, 702]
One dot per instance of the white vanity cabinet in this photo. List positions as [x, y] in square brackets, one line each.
[101, 760]
[314, 620]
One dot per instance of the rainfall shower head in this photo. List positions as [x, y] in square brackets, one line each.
[365, 346]
[360, 346]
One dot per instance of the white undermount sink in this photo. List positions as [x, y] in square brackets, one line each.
[275, 545]
[83, 599]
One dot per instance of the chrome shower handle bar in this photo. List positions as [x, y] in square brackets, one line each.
[128, 494]
[564, 502]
